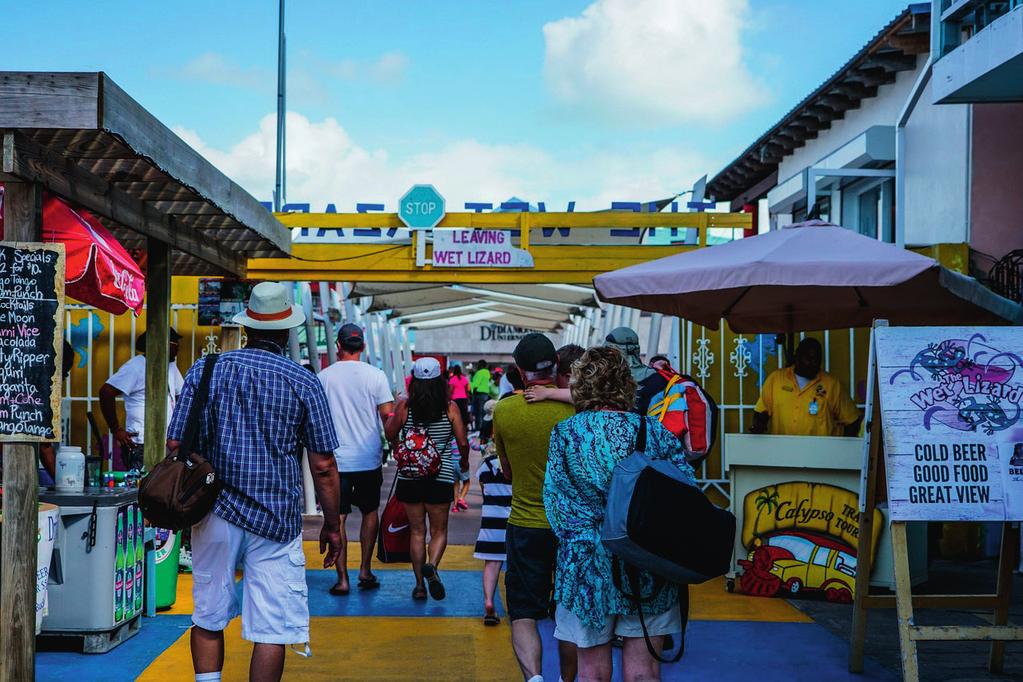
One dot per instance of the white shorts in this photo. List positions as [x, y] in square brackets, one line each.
[568, 627]
[274, 608]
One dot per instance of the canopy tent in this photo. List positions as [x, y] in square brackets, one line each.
[809, 276]
[531, 306]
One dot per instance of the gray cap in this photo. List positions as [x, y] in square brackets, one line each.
[624, 339]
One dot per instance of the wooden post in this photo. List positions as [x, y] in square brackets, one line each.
[22, 223]
[1008, 557]
[230, 338]
[158, 294]
[864, 547]
[904, 602]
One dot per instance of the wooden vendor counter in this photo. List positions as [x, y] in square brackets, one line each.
[795, 499]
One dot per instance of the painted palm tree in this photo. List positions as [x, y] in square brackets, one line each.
[766, 500]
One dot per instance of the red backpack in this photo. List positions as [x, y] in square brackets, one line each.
[393, 535]
[416, 454]
[688, 411]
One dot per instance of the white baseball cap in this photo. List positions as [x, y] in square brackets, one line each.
[270, 307]
[426, 368]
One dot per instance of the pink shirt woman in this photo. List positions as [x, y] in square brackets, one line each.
[459, 386]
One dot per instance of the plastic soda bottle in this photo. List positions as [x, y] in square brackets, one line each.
[119, 570]
[129, 563]
[140, 558]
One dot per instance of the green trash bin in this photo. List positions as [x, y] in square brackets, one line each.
[168, 547]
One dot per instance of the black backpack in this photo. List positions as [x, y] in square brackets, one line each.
[657, 520]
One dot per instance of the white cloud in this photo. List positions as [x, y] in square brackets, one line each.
[212, 67]
[652, 62]
[325, 165]
[388, 69]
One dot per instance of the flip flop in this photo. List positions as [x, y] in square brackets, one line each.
[491, 619]
[370, 583]
[433, 582]
[419, 593]
[338, 592]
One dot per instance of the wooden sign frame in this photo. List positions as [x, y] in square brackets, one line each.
[903, 601]
[58, 343]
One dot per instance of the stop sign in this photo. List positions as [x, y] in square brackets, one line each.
[422, 207]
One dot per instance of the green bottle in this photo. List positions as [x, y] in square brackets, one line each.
[129, 564]
[119, 570]
[140, 558]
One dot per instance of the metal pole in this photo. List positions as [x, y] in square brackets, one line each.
[328, 325]
[294, 348]
[654, 339]
[674, 350]
[406, 346]
[396, 359]
[386, 359]
[371, 340]
[312, 347]
[281, 108]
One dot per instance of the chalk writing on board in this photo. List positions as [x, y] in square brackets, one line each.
[31, 324]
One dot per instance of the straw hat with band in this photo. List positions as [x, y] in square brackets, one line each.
[270, 307]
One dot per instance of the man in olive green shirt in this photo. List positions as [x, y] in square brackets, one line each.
[522, 435]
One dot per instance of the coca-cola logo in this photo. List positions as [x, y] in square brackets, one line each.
[124, 280]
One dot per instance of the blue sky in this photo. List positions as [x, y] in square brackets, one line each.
[614, 99]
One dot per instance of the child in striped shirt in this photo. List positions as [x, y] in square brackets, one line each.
[493, 521]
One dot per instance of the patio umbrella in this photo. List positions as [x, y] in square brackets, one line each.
[99, 270]
[805, 277]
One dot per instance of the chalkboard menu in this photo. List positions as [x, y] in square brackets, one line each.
[31, 340]
[952, 411]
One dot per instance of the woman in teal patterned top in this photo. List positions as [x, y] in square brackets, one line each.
[584, 450]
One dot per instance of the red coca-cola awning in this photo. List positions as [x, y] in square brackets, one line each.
[99, 270]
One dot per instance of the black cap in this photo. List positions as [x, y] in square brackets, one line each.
[140, 342]
[351, 337]
[535, 353]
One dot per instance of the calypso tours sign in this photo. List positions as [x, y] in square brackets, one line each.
[801, 537]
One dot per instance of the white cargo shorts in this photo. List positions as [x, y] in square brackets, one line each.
[568, 627]
[274, 603]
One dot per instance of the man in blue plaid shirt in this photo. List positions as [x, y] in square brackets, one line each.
[262, 410]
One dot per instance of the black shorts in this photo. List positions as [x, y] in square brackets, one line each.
[529, 580]
[424, 491]
[361, 489]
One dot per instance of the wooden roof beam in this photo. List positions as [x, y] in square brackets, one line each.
[871, 76]
[854, 90]
[891, 61]
[24, 159]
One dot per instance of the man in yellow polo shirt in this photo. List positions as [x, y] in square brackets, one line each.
[804, 400]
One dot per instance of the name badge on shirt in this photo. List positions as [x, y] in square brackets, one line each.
[814, 408]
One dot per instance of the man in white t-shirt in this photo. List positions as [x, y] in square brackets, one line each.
[130, 381]
[360, 401]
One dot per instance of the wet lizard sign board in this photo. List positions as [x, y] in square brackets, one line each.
[478, 249]
[952, 413]
[31, 340]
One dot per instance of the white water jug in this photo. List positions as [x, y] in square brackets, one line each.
[70, 469]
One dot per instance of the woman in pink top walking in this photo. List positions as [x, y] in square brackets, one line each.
[459, 384]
